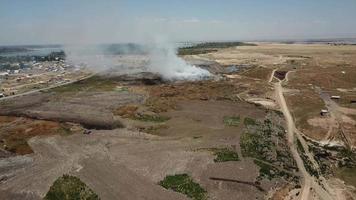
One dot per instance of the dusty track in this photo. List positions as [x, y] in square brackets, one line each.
[336, 116]
[290, 131]
[309, 184]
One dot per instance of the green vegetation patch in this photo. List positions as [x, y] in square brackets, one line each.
[259, 141]
[265, 142]
[225, 154]
[194, 51]
[70, 188]
[65, 131]
[255, 146]
[268, 171]
[122, 89]
[154, 130]
[232, 121]
[184, 184]
[209, 47]
[347, 153]
[249, 122]
[151, 118]
[307, 163]
[300, 146]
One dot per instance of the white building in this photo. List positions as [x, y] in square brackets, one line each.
[324, 112]
[4, 73]
[335, 97]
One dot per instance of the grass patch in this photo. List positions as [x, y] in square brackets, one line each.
[151, 118]
[307, 163]
[268, 171]
[194, 51]
[253, 146]
[122, 89]
[64, 131]
[184, 184]
[264, 141]
[225, 154]
[249, 122]
[232, 121]
[154, 130]
[345, 152]
[258, 140]
[70, 188]
[300, 146]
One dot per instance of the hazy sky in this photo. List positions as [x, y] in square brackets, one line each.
[98, 21]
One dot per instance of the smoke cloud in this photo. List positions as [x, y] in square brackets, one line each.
[157, 56]
[164, 61]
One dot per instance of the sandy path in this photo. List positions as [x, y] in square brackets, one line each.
[272, 75]
[290, 131]
[337, 112]
[309, 183]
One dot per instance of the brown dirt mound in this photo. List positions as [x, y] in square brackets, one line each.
[127, 111]
[165, 97]
[15, 132]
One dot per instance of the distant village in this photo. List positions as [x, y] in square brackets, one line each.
[20, 74]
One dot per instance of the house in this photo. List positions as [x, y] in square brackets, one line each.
[335, 97]
[4, 73]
[324, 112]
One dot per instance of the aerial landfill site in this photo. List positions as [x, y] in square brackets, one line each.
[207, 120]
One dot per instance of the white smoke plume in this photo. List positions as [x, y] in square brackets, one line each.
[164, 61]
[158, 57]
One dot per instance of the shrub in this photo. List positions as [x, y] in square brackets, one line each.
[70, 188]
[184, 184]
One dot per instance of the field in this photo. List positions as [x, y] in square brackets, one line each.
[139, 137]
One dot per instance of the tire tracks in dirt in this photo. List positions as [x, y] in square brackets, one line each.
[309, 184]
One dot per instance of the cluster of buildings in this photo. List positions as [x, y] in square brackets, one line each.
[17, 77]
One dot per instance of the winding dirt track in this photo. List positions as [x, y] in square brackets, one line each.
[309, 184]
[290, 131]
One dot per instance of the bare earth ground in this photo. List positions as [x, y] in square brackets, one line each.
[125, 158]
[332, 69]
[126, 164]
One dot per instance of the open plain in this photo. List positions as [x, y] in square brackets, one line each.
[255, 130]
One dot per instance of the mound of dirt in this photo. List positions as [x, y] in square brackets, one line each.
[164, 97]
[91, 109]
[15, 132]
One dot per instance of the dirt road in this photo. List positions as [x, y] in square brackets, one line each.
[309, 184]
[337, 116]
[272, 76]
[290, 131]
